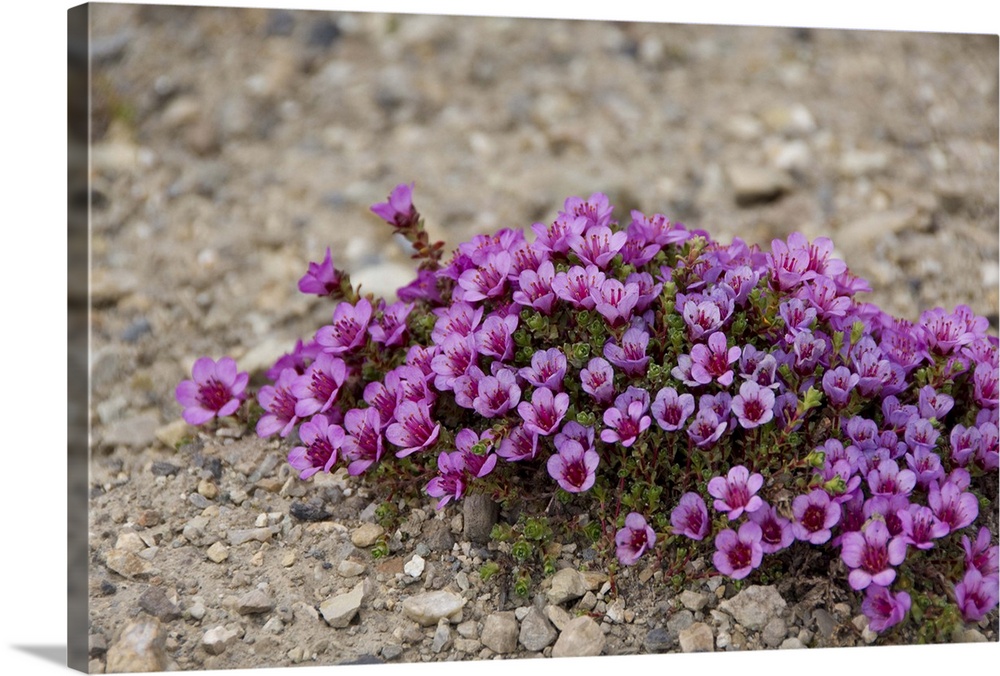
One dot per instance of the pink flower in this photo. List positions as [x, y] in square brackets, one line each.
[544, 412]
[317, 388]
[814, 515]
[951, 505]
[363, 442]
[451, 479]
[578, 286]
[977, 594]
[321, 442]
[414, 430]
[494, 338]
[548, 368]
[321, 279]
[217, 390]
[390, 329]
[754, 405]
[980, 555]
[670, 410]
[488, 280]
[597, 245]
[520, 444]
[634, 540]
[737, 493]
[627, 419]
[631, 355]
[712, 362]
[690, 517]
[615, 301]
[348, 330]
[870, 554]
[497, 394]
[279, 403]
[598, 380]
[398, 210]
[738, 553]
[573, 467]
[883, 609]
[535, 288]
[776, 531]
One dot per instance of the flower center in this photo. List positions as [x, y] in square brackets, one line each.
[213, 395]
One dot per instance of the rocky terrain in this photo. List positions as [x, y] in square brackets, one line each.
[231, 147]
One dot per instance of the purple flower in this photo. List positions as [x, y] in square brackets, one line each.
[414, 429]
[453, 359]
[450, 482]
[573, 467]
[279, 403]
[555, 238]
[814, 515]
[216, 390]
[321, 279]
[598, 380]
[837, 384]
[476, 450]
[545, 411]
[776, 530]
[737, 554]
[634, 540]
[488, 280]
[977, 594]
[627, 419]
[670, 410]
[317, 388]
[706, 428]
[980, 555]
[424, 287]
[535, 288]
[887, 479]
[933, 404]
[631, 355]
[347, 332]
[299, 359]
[948, 332]
[597, 245]
[797, 316]
[712, 362]
[926, 465]
[574, 431]
[389, 330]
[657, 228]
[965, 444]
[548, 368]
[497, 394]
[754, 405]
[595, 210]
[988, 456]
[578, 286]
[363, 442]
[824, 295]
[887, 508]
[398, 210]
[690, 517]
[920, 433]
[737, 492]
[520, 444]
[321, 442]
[459, 318]
[883, 609]
[920, 526]
[986, 384]
[870, 554]
[806, 352]
[702, 318]
[956, 508]
[615, 301]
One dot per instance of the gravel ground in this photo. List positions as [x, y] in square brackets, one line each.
[232, 146]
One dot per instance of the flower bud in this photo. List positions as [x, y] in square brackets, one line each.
[816, 458]
[835, 486]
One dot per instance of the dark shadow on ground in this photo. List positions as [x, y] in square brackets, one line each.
[51, 653]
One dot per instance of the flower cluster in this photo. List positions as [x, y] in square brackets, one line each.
[655, 372]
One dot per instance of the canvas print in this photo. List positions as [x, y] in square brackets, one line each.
[424, 338]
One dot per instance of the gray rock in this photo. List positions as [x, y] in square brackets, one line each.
[754, 606]
[825, 622]
[567, 585]
[558, 616]
[140, 648]
[536, 631]
[500, 632]
[792, 643]
[217, 639]
[679, 621]
[391, 651]
[442, 637]
[428, 608]
[254, 602]
[436, 534]
[349, 568]
[775, 631]
[697, 638]
[658, 640]
[582, 637]
[238, 537]
[338, 611]
[480, 514]
[155, 602]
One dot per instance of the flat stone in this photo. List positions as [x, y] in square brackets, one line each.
[693, 601]
[500, 632]
[338, 611]
[238, 537]
[658, 640]
[349, 568]
[793, 643]
[754, 606]
[680, 621]
[138, 431]
[254, 602]
[367, 534]
[436, 534]
[130, 542]
[582, 637]
[825, 622]
[697, 638]
[140, 648]
[155, 602]
[567, 585]
[127, 564]
[775, 631]
[753, 184]
[558, 616]
[428, 608]
[536, 631]
[217, 639]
